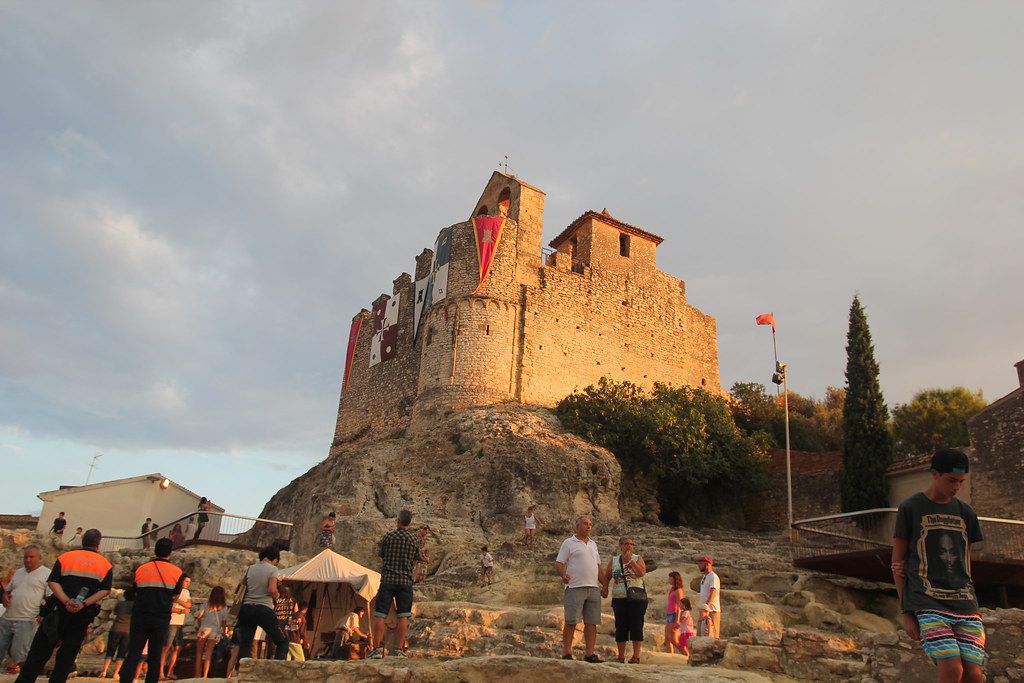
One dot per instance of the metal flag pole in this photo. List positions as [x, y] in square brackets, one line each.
[779, 378]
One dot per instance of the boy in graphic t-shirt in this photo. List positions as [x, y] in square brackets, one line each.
[931, 566]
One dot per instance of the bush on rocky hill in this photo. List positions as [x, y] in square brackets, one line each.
[684, 438]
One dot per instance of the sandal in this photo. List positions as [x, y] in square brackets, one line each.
[620, 660]
[634, 660]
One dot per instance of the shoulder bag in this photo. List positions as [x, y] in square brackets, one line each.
[633, 593]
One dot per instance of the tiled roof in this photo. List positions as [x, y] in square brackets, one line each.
[605, 217]
[914, 462]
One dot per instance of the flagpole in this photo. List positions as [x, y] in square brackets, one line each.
[779, 378]
[775, 349]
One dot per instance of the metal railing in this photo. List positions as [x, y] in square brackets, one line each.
[872, 530]
[221, 529]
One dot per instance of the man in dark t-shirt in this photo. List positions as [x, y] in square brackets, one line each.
[59, 523]
[931, 565]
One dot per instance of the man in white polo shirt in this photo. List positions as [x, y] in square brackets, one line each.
[579, 565]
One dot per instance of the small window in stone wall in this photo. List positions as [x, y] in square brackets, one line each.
[504, 199]
[430, 336]
[623, 244]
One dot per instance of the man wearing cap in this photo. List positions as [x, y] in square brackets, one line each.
[710, 599]
[931, 566]
[80, 579]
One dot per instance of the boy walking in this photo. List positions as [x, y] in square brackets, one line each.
[931, 566]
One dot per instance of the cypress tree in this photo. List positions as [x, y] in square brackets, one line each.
[867, 441]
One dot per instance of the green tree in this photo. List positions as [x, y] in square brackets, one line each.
[934, 419]
[867, 442]
[684, 438]
[813, 425]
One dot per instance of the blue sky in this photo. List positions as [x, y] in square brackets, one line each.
[195, 199]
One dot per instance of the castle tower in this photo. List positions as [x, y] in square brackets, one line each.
[487, 319]
[470, 344]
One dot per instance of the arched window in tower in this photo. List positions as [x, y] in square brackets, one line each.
[623, 244]
[504, 200]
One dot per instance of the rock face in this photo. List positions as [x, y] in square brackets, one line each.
[498, 669]
[478, 468]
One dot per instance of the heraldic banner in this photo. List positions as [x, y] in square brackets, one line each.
[353, 337]
[384, 343]
[434, 287]
[487, 230]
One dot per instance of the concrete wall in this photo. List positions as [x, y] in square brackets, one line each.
[117, 510]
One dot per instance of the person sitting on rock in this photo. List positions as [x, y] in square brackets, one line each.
[350, 632]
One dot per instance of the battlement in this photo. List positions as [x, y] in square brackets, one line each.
[485, 319]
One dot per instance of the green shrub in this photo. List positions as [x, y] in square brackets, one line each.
[684, 438]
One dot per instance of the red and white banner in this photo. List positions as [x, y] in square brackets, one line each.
[384, 344]
[353, 337]
[487, 230]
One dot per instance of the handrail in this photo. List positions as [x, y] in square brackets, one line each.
[212, 531]
[858, 513]
[842, 515]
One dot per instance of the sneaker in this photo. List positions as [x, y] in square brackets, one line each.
[376, 654]
[566, 656]
[593, 659]
[399, 653]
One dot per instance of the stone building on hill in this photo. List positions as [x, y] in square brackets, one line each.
[489, 317]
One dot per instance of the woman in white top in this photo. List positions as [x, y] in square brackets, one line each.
[531, 526]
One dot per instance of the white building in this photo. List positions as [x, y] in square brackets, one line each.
[120, 507]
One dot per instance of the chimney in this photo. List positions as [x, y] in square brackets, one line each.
[1020, 372]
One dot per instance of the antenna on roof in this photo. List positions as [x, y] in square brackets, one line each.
[504, 165]
[92, 467]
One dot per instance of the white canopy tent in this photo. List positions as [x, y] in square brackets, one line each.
[331, 586]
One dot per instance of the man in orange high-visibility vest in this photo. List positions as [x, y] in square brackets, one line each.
[157, 582]
[80, 579]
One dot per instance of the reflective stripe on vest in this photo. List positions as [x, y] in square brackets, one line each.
[87, 564]
[157, 574]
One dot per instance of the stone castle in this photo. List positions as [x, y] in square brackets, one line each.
[528, 326]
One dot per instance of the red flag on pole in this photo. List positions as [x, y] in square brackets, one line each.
[766, 319]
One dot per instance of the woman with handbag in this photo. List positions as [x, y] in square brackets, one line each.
[629, 598]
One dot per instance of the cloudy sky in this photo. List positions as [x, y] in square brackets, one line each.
[196, 197]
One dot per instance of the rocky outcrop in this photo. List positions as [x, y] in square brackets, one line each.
[478, 468]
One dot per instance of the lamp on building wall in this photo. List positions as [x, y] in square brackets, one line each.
[165, 483]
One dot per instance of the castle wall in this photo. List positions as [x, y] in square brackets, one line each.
[624, 326]
[997, 460]
[380, 398]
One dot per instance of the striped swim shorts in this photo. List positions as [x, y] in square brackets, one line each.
[947, 635]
